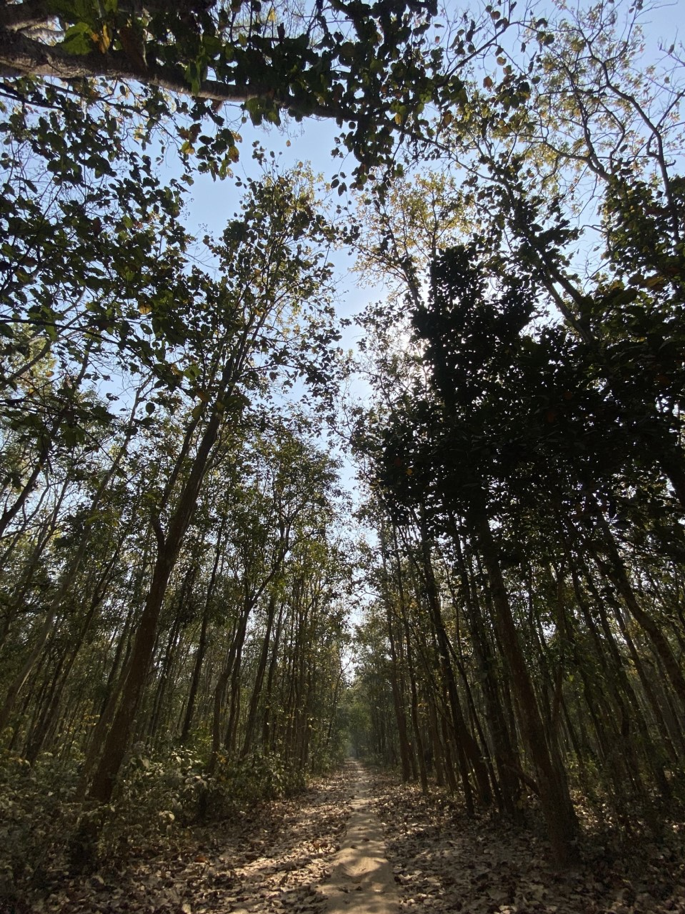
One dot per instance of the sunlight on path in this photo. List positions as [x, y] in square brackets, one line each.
[362, 881]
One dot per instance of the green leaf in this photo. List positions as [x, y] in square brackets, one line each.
[212, 45]
[78, 39]
[254, 108]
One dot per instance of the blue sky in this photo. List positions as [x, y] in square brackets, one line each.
[211, 203]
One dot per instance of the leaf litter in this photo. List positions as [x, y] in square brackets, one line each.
[275, 858]
[269, 859]
[448, 863]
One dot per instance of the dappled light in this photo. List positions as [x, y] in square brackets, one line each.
[287, 626]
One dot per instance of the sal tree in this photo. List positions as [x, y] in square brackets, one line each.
[274, 272]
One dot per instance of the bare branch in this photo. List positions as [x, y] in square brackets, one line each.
[18, 16]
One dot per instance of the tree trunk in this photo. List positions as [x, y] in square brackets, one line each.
[506, 758]
[555, 799]
[416, 724]
[202, 643]
[615, 570]
[466, 743]
[116, 744]
[251, 723]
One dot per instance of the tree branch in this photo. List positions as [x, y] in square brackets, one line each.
[22, 55]
[27, 15]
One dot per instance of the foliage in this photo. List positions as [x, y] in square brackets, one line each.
[178, 566]
[521, 455]
[38, 804]
[251, 780]
[371, 67]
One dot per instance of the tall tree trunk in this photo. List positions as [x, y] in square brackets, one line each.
[506, 758]
[116, 744]
[395, 675]
[562, 825]
[202, 643]
[49, 718]
[466, 743]
[615, 570]
[268, 724]
[416, 723]
[251, 723]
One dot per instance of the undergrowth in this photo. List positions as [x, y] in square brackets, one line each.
[43, 829]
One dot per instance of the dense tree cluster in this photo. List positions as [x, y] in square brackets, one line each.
[525, 454]
[177, 571]
[173, 566]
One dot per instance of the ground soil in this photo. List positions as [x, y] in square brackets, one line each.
[363, 843]
[362, 881]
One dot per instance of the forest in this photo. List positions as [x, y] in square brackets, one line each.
[200, 612]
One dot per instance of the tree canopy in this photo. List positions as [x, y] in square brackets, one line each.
[368, 66]
[184, 579]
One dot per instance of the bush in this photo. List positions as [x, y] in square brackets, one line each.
[244, 782]
[154, 793]
[44, 829]
[37, 808]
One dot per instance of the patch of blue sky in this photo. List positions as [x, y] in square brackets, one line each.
[211, 203]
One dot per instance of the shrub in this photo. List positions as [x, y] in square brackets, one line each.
[37, 808]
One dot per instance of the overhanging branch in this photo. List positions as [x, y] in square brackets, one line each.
[19, 16]
[20, 55]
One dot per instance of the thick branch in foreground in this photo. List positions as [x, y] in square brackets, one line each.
[21, 55]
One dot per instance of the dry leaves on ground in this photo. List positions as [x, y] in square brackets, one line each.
[274, 860]
[271, 860]
[446, 862]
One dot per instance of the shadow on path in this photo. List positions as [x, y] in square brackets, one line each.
[362, 880]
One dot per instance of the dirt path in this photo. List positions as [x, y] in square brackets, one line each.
[362, 880]
[323, 852]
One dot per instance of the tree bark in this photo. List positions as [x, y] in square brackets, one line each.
[562, 825]
[116, 744]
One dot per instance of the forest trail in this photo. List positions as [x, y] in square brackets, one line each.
[359, 842]
[362, 880]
